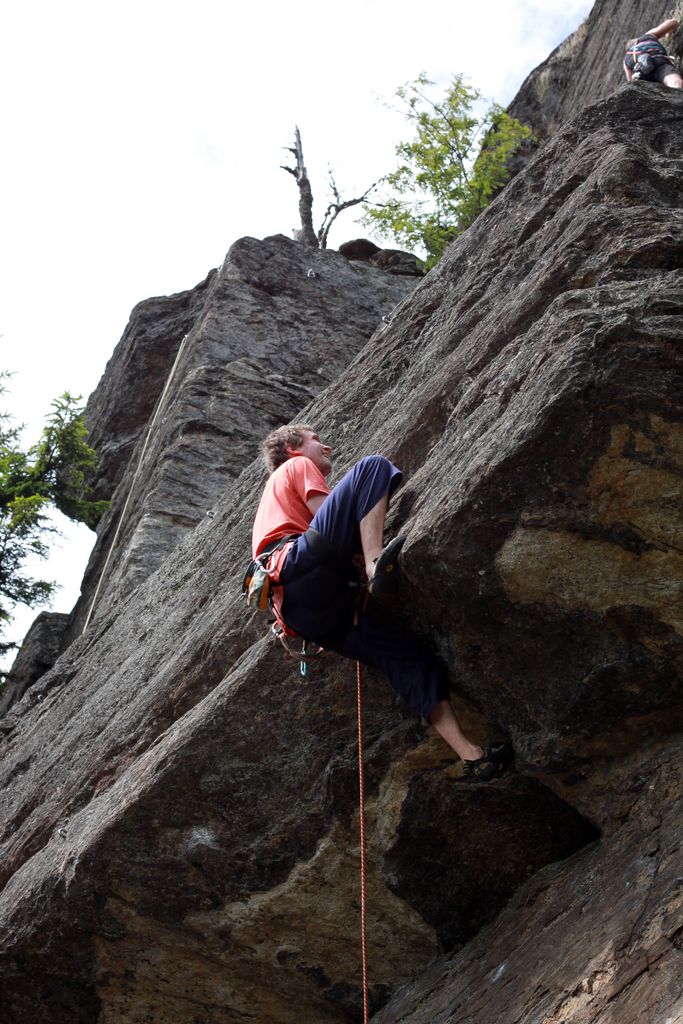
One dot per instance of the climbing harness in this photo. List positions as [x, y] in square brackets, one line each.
[257, 592]
[647, 55]
[258, 579]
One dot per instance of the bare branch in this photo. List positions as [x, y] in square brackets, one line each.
[335, 208]
[308, 235]
[333, 185]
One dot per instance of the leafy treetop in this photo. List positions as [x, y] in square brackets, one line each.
[450, 170]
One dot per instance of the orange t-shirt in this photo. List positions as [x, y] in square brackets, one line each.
[283, 509]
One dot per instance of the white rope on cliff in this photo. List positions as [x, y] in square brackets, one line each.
[132, 483]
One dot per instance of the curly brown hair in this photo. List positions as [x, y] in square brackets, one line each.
[278, 441]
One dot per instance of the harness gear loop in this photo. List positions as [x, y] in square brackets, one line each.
[363, 865]
[303, 656]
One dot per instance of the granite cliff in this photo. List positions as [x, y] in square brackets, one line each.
[179, 810]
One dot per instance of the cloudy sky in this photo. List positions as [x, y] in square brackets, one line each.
[142, 138]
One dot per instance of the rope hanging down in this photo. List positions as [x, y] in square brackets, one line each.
[132, 483]
[363, 866]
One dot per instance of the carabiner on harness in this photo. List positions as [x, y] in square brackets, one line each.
[304, 656]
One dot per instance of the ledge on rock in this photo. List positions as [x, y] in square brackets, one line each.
[394, 261]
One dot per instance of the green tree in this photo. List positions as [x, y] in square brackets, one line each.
[53, 472]
[450, 170]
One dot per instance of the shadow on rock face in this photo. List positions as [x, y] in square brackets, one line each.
[463, 849]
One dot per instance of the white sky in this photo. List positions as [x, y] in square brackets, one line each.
[142, 138]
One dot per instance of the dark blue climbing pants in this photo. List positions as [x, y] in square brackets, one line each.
[320, 596]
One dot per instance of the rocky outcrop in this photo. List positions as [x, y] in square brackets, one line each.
[247, 349]
[395, 261]
[39, 651]
[178, 815]
[586, 67]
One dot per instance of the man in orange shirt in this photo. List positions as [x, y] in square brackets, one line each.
[313, 535]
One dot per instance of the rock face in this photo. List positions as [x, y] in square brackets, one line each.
[178, 815]
[597, 939]
[38, 653]
[247, 349]
[122, 404]
[586, 67]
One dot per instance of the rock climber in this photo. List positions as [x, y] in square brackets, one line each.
[646, 59]
[311, 535]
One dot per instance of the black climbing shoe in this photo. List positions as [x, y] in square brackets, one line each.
[386, 563]
[494, 760]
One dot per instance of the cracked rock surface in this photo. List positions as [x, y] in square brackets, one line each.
[178, 826]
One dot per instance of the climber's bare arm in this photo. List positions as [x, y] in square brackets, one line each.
[314, 502]
[628, 73]
[670, 25]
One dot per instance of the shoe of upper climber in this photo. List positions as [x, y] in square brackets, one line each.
[386, 563]
[493, 762]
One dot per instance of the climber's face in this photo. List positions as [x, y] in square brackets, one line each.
[313, 448]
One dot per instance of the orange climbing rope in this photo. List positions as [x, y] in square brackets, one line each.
[361, 792]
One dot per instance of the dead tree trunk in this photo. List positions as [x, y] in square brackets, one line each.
[308, 235]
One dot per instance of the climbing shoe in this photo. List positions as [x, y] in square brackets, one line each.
[493, 761]
[386, 564]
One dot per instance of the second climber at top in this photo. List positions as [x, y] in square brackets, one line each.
[646, 59]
